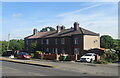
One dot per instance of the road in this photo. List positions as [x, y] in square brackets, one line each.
[17, 69]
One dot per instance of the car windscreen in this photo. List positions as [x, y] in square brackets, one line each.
[23, 53]
[26, 54]
[88, 55]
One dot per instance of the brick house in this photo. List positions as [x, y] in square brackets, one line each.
[71, 41]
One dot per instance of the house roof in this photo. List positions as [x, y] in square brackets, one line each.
[37, 35]
[62, 33]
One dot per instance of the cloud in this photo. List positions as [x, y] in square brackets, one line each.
[16, 14]
[98, 21]
[79, 10]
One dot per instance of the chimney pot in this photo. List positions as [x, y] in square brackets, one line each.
[62, 27]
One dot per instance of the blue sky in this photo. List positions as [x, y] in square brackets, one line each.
[19, 18]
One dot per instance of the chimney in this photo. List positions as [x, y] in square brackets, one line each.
[47, 29]
[76, 26]
[62, 27]
[58, 29]
[71, 27]
[35, 31]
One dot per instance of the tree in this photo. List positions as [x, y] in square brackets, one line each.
[0, 47]
[16, 44]
[44, 29]
[21, 42]
[107, 42]
[117, 44]
[4, 46]
[33, 46]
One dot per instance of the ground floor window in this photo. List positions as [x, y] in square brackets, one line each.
[47, 49]
[53, 50]
[76, 51]
[56, 51]
[63, 50]
[27, 48]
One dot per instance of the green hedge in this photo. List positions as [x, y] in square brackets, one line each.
[36, 54]
[32, 55]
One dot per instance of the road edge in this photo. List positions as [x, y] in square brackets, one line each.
[26, 62]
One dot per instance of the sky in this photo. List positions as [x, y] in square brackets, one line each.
[20, 18]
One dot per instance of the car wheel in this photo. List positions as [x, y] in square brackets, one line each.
[91, 61]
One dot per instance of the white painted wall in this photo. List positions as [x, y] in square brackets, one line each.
[91, 42]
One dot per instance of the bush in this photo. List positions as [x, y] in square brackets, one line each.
[111, 57]
[101, 62]
[4, 53]
[32, 55]
[37, 54]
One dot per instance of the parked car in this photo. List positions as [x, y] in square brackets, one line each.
[23, 55]
[88, 57]
[8, 53]
[12, 56]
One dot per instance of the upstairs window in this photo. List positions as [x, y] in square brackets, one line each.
[26, 42]
[56, 41]
[47, 41]
[41, 41]
[44, 41]
[62, 41]
[76, 41]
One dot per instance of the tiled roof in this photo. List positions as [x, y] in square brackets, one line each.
[64, 32]
[37, 35]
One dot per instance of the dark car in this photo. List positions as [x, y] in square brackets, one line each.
[8, 53]
[23, 55]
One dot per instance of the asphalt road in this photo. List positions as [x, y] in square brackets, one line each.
[17, 69]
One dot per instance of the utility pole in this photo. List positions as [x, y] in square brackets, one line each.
[8, 41]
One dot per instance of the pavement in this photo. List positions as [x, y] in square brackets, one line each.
[81, 67]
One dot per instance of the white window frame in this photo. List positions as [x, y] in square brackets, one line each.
[56, 41]
[76, 51]
[47, 41]
[76, 41]
[47, 49]
[56, 50]
[62, 40]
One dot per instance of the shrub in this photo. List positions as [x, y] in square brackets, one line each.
[38, 51]
[111, 57]
[32, 55]
[101, 62]
[4, 53]
[37, 54]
